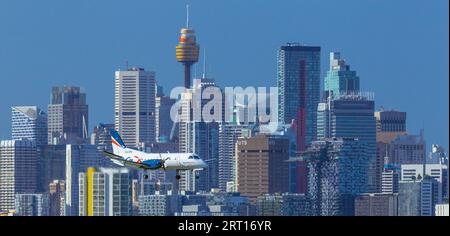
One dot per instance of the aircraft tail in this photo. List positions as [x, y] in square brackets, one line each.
[117, 142]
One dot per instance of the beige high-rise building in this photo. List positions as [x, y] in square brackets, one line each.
[261, 165]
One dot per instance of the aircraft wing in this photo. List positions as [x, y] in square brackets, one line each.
[125, 162]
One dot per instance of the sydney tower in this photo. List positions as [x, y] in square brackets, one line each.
[187, 50]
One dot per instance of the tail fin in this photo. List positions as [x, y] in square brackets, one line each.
[117, 142]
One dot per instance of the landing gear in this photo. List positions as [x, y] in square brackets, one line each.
[177, 176]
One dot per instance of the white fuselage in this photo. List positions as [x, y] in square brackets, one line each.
[173, 161]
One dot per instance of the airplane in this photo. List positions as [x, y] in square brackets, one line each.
[124, 156]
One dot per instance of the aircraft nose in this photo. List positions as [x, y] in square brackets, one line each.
[204, 165]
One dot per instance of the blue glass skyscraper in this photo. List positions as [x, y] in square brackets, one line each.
[340, 79]
[351, 116]
[336, 174]
[298, 78]
[29, 122]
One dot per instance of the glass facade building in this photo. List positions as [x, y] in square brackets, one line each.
[67, 116]
[29, 122]
[351, 116]
[340, 79]
[298, 80]
[105, 193]
[337, 172]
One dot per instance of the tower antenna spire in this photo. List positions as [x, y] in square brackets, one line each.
[204, 63]
[187, 16]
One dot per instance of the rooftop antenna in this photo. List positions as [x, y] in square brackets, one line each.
[204, 64]
[187, 16]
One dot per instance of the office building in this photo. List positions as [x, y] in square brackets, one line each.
[135, 106]
[439, 172]
[57, 190]
[159, 205]
[261, 165]
[298, 80]
[67, 116]
[166, 129]
[228, 136]
[417, 198]
[286, 204]
[51, 166]
[441, 210]
[340, 79]
[337, 173]
[18, 170]
[29, 204]
[198, 136]
[77, 159]
[351, 116]
[407, 149]
[106, 192]
[29, 122]
[390, 121]
[390, 177]
[101, 135]
[376, 204]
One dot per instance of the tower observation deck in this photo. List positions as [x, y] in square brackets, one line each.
[187, 50]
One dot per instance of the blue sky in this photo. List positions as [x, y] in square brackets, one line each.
[399, 48]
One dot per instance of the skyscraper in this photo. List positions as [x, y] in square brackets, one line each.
[77, 159]
[299, 89]
[340, 79]
[390, 125]
[198, 136]
[57, 190]
[407, 149]
[18, 170]
[261, 165]
[390, 121]
[390, 177]
[187, 50]
[29, 122]
[337, 173]
[298, 79]
[228, 136]
[135, 106]
[67, 116]
[101, 135]
[165, 130]
[351, 116]
[105, 192]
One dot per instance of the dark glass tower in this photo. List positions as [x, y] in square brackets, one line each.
[298, 79]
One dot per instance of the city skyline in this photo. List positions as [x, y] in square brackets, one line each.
[84, 38]
[352, 124]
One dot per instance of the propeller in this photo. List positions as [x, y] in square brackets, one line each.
[162, 161]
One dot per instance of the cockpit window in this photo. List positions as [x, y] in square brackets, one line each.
[194, 157]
